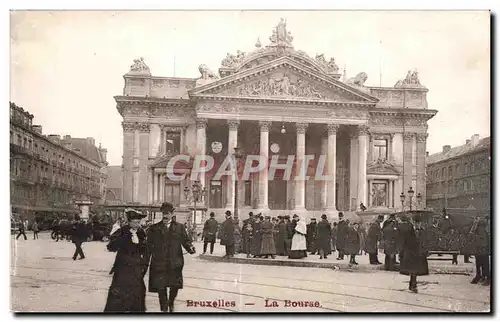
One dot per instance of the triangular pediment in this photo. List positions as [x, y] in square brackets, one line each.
[161, 161]
[382, 167]
[283, 78]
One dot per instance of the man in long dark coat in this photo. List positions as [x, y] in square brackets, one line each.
[352, 242]
[312, 229]
[165, 241]
[403, 229]
[267, 246]
[481, 252]
[209, 233]
[390, 235]
[255, 248]
[323, 237]
[334, 237]
[246, 233]
[415, 251]
[289, 227]
[372, 238]
[281, 249]
[79, 235]
[341, 236]
[227, 234]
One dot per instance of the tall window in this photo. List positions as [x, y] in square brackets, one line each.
[450, 172]
[172, 193]
[380, 149]
[248, 193]
[466, 171]
[172, 142]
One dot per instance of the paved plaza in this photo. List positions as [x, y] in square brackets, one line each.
[45, 278]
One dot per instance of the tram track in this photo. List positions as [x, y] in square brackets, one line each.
[104, 274]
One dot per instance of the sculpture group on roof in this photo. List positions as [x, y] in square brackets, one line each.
[411, 80]
[359, 80]
[280, 36]
[207, 73]
[139, 66]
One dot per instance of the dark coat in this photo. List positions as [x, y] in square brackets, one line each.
[390, 236]
[290, 229]
[282, 235]
[341, 235]
[237, 235]
[127, 292]
[311, 231]
[352, 241]
[256, 243]
[453, 240]
[373, 237]
[403, 229]
[79, 233]
[415, 251]
[481, 241]
[324, 236]
[227, 232]
[267, 245]
[165, 251]
[210, 230]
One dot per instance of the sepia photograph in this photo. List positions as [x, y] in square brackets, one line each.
[246, 161]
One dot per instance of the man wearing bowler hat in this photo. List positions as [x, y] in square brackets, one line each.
[165, 242]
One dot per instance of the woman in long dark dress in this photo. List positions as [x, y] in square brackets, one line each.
[415, 251]
[256, 244]
[127, 292]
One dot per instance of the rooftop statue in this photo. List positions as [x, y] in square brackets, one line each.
[280, 36]
[359, 80]
[139, 66]
[411, 80]
[206, 73]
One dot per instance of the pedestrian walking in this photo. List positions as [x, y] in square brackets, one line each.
[353, 244]
[299, 245]
[390, 235]
[373, 237]
[323, 237]
[403, 228]
[22, 231]
[209, 233]
[35, 229]
[268, 247]
[312, 229]
[415, 252]
[165, 241]
[256, 247]
[127, 292]
[341, 236]
[481, 252]
[453, 238]
[78, 236]
[227, 235]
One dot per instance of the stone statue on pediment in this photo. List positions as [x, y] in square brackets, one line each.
[207, 73]
[359, 80]
[332, 66]
[139, 66]
[411, 80]
[229, 60]
[280, 35]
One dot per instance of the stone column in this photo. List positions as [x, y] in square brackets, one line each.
[370, 197]
[150, 186]
[390, 156]
[128, 155]
[324, 184]
[162, 188]
[370, 148]
[300, 201]
[156, 187]
[232, 143]
[201, 143]
[362, 155]
[263, 179]
[391, 194]
[353, 170]
[143, 156]
[182, 140]
[421, 182]
[407, 161]
[331, 166]
[161, 149]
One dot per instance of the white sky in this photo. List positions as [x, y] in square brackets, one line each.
[67, 66]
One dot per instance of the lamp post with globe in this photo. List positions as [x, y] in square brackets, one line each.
[237, 155]
[195, 193]
[411, 194]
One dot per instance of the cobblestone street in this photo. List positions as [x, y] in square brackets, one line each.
[45, 278]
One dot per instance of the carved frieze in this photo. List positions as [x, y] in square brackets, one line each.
[171, 129]
[395, 121]
[148, 110]
[382, 166]
[347, 113]
[159, 82]
[219, 108]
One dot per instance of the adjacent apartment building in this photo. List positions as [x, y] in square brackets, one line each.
[459, 177]
[48, 174]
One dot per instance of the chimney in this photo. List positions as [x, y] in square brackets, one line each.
[91, 141]
[37, 129]
[104, 153]
[474, 140]
[427, 153]
[55, 138]
[446, 148]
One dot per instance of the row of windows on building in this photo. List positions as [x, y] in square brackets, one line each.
[44, 152]
[25, 194]
[465, 169]
[481, 184]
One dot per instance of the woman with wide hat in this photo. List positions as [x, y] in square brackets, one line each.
[127, 292]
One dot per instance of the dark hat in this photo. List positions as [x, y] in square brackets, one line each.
[250, 214]
[295, 215]
[417, 218]
[134, 214]
[77, 217]
[287, 217]
[323, 216]
[228, 213]
[392, 216]
[212, 214]
[341, 214]
[380, 217]
[268, 217]
[280, 217]
[167, 207]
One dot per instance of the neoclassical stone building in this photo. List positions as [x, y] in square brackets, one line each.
[275, 101]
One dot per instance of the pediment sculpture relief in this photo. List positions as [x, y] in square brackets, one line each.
[382, 166]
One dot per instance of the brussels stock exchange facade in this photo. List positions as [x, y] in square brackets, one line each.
[274, 102]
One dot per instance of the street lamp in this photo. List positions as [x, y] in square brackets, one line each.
[237, 155]
[411, 193]
[419, 199]
[402, 197]
[194, 194]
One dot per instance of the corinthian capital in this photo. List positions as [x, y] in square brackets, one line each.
[408, 136]
[129, 126]
[144, 127]
[301, 128]
[363, 130]
[422, 137]
[264, 126]
[332, 128]
[233, 125]
[201, 123]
